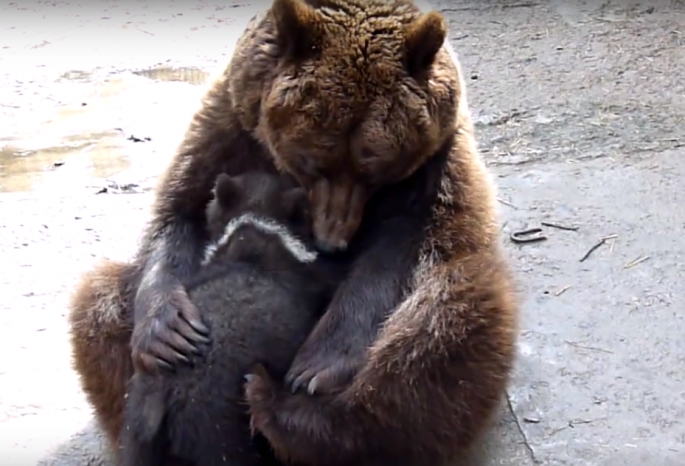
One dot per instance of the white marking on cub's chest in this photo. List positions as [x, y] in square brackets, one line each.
[293, 244]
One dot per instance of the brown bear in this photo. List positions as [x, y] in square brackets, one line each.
[261, 289]
[362, 102]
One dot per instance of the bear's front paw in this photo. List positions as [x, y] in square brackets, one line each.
[323, 372]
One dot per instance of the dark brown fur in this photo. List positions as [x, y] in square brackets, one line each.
[365, 107]
[261, 301]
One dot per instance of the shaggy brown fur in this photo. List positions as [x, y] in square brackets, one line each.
[362, 103]
[437, 369]
[101, 322]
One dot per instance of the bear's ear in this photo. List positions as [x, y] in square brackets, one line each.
[424, 38]
[295, 24]
[227, 190]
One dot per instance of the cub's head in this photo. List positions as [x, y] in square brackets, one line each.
[259, 218]
[358, 95]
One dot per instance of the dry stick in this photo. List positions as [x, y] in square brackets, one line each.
[562, 291]
[499, 199]
[560, 227]
[599, 243]
[518, 5]
[633, 263]
[588, 348]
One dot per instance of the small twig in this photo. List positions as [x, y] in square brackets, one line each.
[570, 425]
[633, 263]
[562, 291]
[144, 31]
[530, 235]
[597, 245]
[560, 227]
[588, 348]
[592, 249]
[518, 5]
[578, 422]
[499, 199]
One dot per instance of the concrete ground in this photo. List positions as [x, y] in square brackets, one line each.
[580, 111]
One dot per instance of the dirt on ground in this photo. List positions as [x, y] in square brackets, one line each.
[580, 114]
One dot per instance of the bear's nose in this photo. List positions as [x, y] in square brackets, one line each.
[330, 247]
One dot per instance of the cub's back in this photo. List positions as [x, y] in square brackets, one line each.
[253, 315]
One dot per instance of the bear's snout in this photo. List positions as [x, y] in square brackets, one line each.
[337, 210]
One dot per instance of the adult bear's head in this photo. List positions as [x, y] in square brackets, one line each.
[353, 95]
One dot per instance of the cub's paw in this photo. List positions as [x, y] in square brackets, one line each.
[258, 384]
[323, 372]
[170, 331]
[260, 394]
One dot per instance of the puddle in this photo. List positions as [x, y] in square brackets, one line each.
[84, 126]
[69, 78]
[97, 157]
[189, 75]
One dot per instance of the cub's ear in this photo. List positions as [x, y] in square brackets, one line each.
[296, 26]
[424, 38]
[296, 204]
[227, 190]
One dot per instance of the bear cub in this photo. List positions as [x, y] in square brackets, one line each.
[261, 288]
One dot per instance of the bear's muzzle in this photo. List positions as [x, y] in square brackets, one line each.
[337, 210]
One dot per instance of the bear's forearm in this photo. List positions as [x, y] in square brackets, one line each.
[379, 281]
[173, 242]
[360, 307]
[173, 257]
[178, 250]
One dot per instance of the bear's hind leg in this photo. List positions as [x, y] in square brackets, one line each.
[303, 429]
